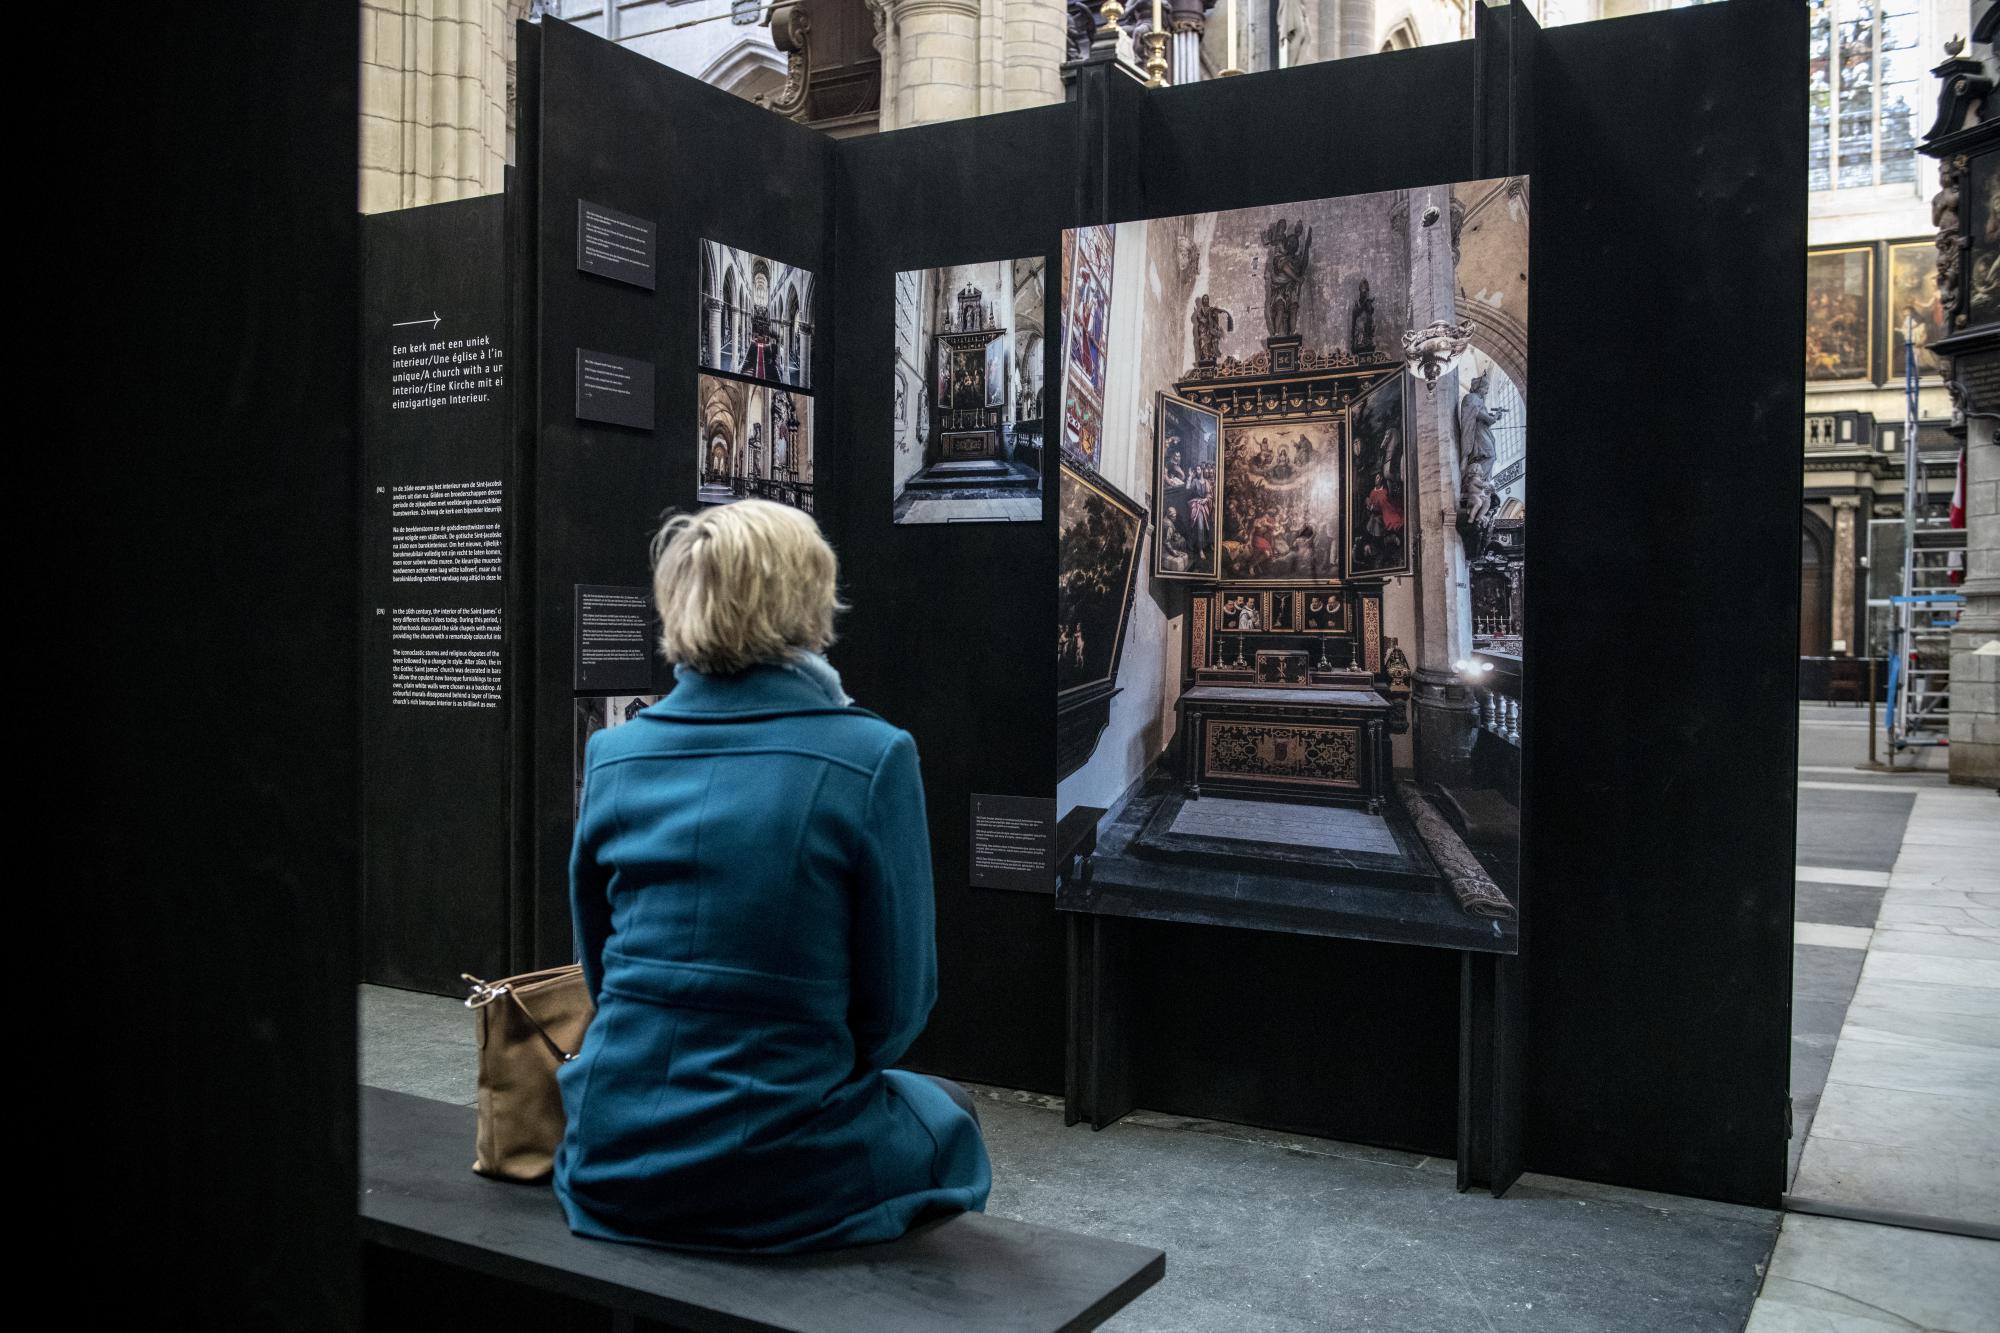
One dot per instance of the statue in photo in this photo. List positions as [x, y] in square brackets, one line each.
[1209, 321]
[1476, 496]
[1287, 260]
[1361, 323]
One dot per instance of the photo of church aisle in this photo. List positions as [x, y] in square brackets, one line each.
[756, 442]
[968, 393]
[1315, 416]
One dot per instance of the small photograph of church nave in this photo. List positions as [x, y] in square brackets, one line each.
[756, 441]
[756, 317]
[967, 389]
[1298, 534]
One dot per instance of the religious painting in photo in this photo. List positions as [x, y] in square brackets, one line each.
[1280, 502]
[1378, 483]
[1914, 304]
[756, 317]
[1187, 454]
[1981, 193]
[1099, 536]
[1302, 711]
[969, 355]
[1087, 254]
[754, 441]
[1840, 328]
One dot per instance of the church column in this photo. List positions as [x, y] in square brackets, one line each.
[1357, 28]
[712, 309]
[1186, 22]
[1845, 566]
[935, 58]
[1975, 676]
[1003, 317]
[1446, 721]
[436, 106]
[1036, 36]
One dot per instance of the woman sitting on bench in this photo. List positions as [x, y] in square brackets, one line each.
[751, 886]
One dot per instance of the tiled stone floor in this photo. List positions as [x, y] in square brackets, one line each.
[1898, 1111]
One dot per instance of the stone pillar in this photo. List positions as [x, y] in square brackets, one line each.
[1975, 643]
[1845, 567]
[934, 50]
[1003, 315]
[437, 100]
[1446, 712]
[1357, 28]
[886, 46]
[1035, 36]
[712, 328]
[1186, 22]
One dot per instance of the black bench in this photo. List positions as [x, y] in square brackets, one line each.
[420, 1198]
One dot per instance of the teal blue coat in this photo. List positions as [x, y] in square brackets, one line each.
[751, 887]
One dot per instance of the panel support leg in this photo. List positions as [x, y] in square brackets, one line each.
[1097, 1082]
[1489, 1072]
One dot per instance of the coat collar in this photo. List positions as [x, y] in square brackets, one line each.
[761, 691]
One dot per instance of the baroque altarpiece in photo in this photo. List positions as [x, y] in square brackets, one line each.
[967, 389]
[1293, 541]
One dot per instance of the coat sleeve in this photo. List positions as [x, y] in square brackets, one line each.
[895, 927]
[589, 877]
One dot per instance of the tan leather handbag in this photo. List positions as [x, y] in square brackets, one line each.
[528, 1026]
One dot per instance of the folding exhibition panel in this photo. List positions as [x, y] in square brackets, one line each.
[1663, 157]
[608, 134]
[949, 618]
[440, 636]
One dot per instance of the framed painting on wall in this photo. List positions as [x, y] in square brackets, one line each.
[1378, 482]
[1280, 502]
[1099, 535]
[1086, 312]
[1982, 278]
[1840, 324]
[1913, 302]
[1186, 458]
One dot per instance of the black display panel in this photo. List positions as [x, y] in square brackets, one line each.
[601, 122]
[1657, 947]
[436, 678]
[937, 602]
[1654, 954]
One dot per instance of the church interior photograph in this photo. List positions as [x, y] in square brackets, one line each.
[756, 317]
[1292, 556]
[755, 440]
[968, 393]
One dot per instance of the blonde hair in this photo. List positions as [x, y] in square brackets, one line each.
[741, 584]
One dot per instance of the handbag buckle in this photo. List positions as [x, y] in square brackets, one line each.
[483, 993]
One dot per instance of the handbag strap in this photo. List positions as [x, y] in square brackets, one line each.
[486, 992]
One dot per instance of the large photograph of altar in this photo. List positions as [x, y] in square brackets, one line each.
[1303, 698]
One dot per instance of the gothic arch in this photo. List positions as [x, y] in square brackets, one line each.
[1488, 242]
[1402, 37]
[1816, 577]
[750, 68]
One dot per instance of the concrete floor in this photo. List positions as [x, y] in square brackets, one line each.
[1273, 1233]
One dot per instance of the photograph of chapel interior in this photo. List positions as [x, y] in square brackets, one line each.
[1022, 776]
[968, 393]
[1300, 657]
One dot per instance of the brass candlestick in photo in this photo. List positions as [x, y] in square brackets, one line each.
[1156, 51]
